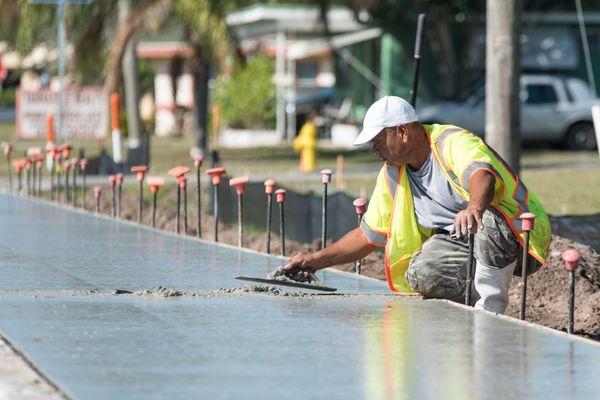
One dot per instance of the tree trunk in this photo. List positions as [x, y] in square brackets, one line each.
[130, 79]
[124, 33]
[200, 66]
[502, 79]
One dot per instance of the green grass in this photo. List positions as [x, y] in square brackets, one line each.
[562, 191]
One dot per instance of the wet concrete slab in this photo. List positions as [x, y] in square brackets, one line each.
[44, 247]
[361, 344]
[373, 347]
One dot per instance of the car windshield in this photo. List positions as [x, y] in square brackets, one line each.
[579, 90]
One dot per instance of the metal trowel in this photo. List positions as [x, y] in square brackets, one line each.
[279, 282]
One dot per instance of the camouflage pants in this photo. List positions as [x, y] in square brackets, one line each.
[440, 269]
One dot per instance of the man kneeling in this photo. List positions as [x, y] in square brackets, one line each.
[438, 184]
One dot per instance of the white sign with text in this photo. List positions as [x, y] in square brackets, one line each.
[85, 114]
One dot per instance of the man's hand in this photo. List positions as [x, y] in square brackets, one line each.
[468, 221]
[298, 262]
[481, 190]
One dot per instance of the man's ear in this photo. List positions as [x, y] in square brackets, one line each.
[402, 132]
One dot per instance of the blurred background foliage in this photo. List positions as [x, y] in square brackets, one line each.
[246, 96]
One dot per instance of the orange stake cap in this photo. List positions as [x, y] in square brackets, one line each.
[527, 221]
[179, 171]
[73, 163]
[83, 164]
[155, 183]
[360, 205]
[280, 193]
[239, 183]
[112, 180]
[119, 178]
[66, 164]
[7, 149]
[198, 161]
[216, 174]
[64, 149]
[18, 164]
[326, 176]
[571, 258]
[97, 191]
[181, 181]
[140, 171]
[269, 186]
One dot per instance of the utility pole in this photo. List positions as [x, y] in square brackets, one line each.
[62, 49]
[130, 82]
[502, 71]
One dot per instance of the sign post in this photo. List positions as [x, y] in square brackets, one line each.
[62, 39]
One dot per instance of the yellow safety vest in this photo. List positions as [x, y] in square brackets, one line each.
[390, 218]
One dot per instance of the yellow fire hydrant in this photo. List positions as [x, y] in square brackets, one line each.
[305, 144]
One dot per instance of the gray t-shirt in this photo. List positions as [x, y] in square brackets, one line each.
[436, 201]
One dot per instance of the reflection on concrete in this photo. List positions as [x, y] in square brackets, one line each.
[452, 353]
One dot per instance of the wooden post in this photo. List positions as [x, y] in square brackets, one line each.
[503, 19]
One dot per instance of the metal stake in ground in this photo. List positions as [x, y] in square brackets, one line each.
[97, 194]
[119, 177]
[182, 183]
[140, 172]
[527, 222]
[269, 189]
[28, 176]
[571, 258]
[57, 162]
[83, 167]
[67, 166]
[360, 206]
[51, 155]
[470, 269]
[33, 176]
[18, 166]
[112, 181]
[325, 179]
[179, 174]
[155, 184]
[7, 152]
[32, 155]
[39, 164]
[240, 188]
[216, 173]
[280, 197]
[198, 163]
[74, 164]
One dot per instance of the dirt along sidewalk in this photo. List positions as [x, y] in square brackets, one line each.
[19, 379]
[547, 289]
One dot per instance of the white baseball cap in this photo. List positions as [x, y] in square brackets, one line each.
[386, 112]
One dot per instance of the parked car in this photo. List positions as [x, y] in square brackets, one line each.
[554, 109]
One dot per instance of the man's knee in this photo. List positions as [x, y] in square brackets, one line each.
[495, 243]
[438, 271]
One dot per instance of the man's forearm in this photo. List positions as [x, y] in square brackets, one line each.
[353, 246]
[481, 189]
